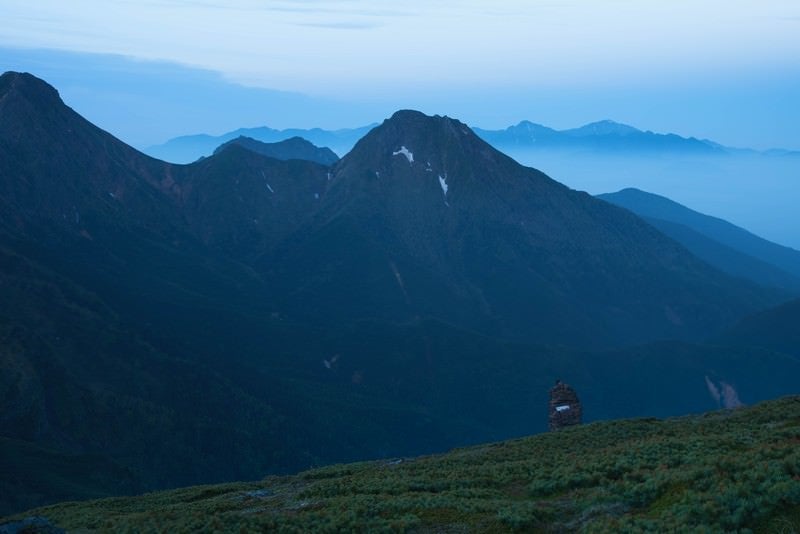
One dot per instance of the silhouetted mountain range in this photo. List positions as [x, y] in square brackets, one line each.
[605, 136]
[718, 242]
[244, 315]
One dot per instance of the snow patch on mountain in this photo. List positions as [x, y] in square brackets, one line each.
[443, 183]
[405, 152]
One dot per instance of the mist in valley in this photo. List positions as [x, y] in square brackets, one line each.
[753, 190]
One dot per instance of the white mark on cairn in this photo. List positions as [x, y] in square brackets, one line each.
[404, 152]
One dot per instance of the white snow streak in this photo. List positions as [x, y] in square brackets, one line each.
[264, 176]
[443, 183]
[404, 152]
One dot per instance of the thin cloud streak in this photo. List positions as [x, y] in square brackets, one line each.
[340, 25]
[515, 44]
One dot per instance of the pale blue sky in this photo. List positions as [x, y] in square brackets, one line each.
[723, 69]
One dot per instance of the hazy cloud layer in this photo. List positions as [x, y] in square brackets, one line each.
[429, 45]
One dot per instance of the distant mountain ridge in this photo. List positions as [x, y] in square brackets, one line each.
[604, 136]
[722, 244]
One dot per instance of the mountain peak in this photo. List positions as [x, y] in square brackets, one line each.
[409, 118]
[407, 114]
[633, 194]
[412, 141]
[603, 127]
[293, 148]
[529, 124]
[27, 85]
[532, 128]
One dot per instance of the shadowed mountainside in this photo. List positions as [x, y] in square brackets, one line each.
[423, 218]
[774, 329]
[244, 315]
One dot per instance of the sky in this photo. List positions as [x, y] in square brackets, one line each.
[148, 70]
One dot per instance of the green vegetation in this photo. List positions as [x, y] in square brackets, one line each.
[725, 471]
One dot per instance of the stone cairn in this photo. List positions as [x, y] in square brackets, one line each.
[565, 408]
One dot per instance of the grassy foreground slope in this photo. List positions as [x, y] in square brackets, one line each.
[722, 471]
